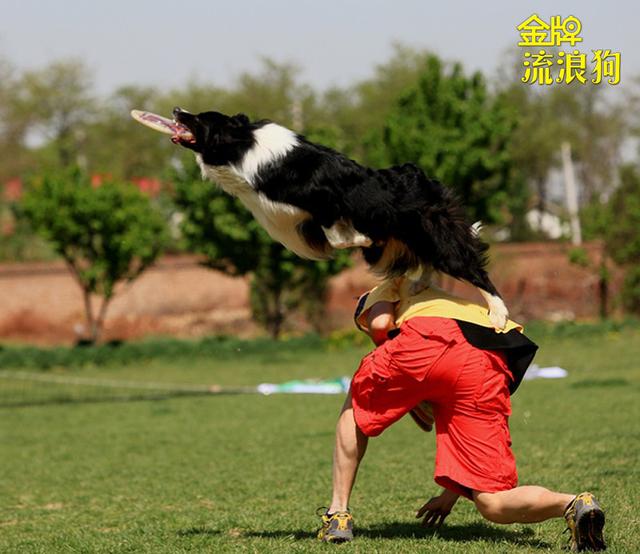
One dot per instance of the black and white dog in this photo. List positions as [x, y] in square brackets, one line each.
[313, 199]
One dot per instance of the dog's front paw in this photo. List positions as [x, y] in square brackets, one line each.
[342, 235]
[360, 240]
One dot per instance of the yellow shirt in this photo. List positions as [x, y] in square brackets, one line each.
[431, 302]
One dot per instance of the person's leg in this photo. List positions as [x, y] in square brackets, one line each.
[530, 504]
[351, 444]
[526, 504]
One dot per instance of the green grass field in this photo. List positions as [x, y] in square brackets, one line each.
[245, 473]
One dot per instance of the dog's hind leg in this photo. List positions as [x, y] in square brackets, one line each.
[453, 248]
[474, 273]
[420, 279]
[498, 312]
[477, 276]
[342, 235]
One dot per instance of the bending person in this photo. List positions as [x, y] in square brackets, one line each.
[437, 348]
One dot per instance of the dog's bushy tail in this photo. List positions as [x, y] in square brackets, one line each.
[433, 225]
[432, 230]
[451, 243]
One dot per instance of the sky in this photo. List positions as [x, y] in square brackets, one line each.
[163, 44]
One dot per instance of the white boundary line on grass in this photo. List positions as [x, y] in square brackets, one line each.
[112, 383]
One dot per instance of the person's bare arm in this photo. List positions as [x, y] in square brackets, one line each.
[380, 319]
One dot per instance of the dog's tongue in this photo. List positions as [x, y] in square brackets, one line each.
[182, 134]
[180, 131]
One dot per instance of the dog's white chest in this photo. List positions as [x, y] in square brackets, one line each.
[280, 220]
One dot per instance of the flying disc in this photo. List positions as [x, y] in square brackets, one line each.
[161, 124]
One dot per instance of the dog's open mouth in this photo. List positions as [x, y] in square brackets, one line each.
[182, 134]
[184, 123]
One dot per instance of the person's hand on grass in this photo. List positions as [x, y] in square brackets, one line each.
[435, 511]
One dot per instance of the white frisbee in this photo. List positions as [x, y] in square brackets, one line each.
[161, 124]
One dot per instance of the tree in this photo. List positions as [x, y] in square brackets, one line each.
[221, 228]
[596, 128]
[107, 234]
[274, 92]
[534, 149]
[457, 132]
[592, 121]
[360, 111]
[118, 146]
[59, 103]
[14, 124]
[615, 223]
[622, 237]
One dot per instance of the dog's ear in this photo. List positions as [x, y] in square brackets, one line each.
[240, 120]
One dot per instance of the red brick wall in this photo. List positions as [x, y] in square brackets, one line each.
[42, 303]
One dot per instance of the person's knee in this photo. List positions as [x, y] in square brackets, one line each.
[490, 506]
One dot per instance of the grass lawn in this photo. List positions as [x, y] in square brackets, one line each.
[246, 473]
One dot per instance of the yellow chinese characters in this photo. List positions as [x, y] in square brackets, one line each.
[538, 68]
[536, 32]
[544, 67]
[606, 64]
[573, 66]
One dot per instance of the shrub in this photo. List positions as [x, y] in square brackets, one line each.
[106, 234]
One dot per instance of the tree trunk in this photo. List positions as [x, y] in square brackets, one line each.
[88, 313]
[95, 324]
[603, 284]
[99, 322]
[275, 317]
[541, 187]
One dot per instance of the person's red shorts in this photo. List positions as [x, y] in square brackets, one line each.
[468, 389]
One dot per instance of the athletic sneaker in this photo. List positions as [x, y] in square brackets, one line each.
[336, 527]
[585, 519]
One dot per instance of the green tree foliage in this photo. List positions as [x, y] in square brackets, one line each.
[14, 124]
[616, 223]
[58, 102]
[631, 289]
[596, 127]
[274, 93]
[116, 145]
[451, 126]
[622, 236]
[359, 112]
[534, 148]
[220, 227]
[106, 234]
[586, 117]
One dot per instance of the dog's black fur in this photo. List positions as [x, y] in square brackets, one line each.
[411, 220]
